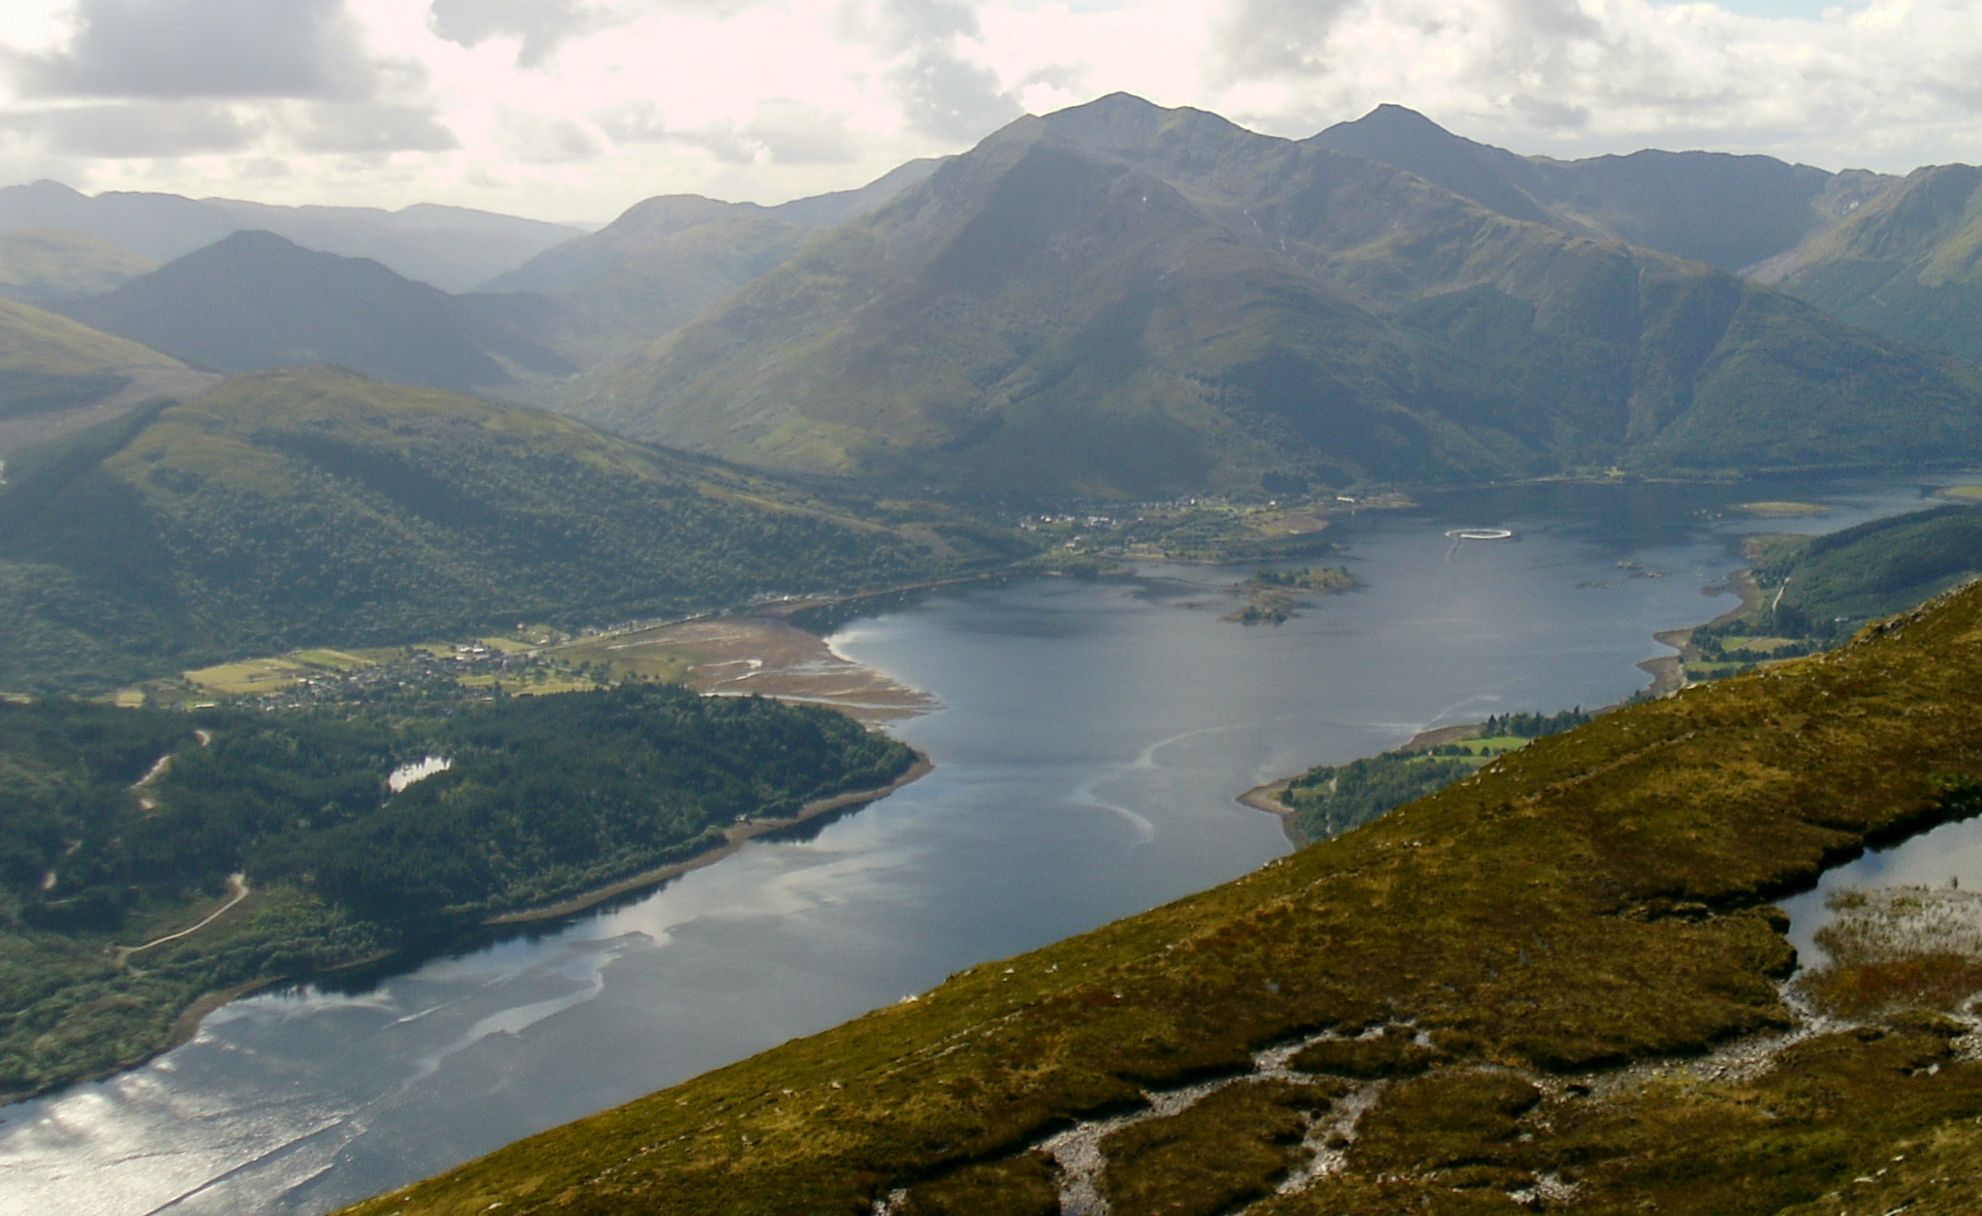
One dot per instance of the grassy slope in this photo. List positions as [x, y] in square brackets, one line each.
[1907, 265]
[1595, 898]
[315, 507]
[50, 363]
[54, 264]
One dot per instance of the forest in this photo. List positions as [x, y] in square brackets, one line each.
[120, 827]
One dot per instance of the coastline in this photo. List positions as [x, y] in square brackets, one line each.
[186, 1022]
[735, 838]
[1667, 673]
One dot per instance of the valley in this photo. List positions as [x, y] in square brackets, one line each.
[788, 935]
[767, 706]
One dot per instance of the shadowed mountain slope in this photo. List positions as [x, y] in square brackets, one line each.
[314, 506]
[1561, 977]
[253, 301]
[666, 260]
[1124, 300]
[1907, 265]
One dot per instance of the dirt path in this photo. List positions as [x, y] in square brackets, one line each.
[237, 890]
[146, 802]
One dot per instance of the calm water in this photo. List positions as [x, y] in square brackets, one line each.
[1092, 739]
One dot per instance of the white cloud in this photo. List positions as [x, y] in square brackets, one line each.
[578, 108]
[202, 48]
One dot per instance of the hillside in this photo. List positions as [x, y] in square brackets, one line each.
[668, 259]
[1728, 211]
[452, 248]
[315, 507]
[254, 302]
[1838, 581]
[1907, 265]
[57, 376]
[1556, 984]
[324, 860]
[38, 265]
[1129, 301]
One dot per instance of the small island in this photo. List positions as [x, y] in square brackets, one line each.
[1274, 596]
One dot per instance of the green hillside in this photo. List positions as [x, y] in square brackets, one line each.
[43, 264]
[1907, 265]
[1124, 300]
[50, 364]
[316, 507]
[286, 829]
[1875, 569]
[1557, 983]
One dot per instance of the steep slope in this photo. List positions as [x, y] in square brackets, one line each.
[668, 259]
[1507, 995]
[57, 375]
[1908, 264]
[453, 248]
[1727, 211]
[38, 265]
[655, 268]
[254, 301]
[318, 507]
[1120, 299]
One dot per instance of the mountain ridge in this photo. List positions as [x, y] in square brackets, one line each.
[1316, 314]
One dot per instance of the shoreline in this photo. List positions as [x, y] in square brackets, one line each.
[735, 838]
[186, 1022]
[1667, 672]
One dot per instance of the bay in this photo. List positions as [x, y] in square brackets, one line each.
[1091, 740]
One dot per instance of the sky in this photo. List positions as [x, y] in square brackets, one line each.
[576, 109]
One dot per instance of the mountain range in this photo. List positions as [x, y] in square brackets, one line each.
[453, 248]
[1119, 300]
[1124, 300]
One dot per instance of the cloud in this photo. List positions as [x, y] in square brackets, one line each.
[203, 49]
[1275, 36]
[944, 96]
[127, 131]
[939, 91]
[540, 25]
[537, 140]
[361, 127]
[781, 132]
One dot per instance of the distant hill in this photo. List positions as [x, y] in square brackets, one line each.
[453, 248]
[1124, 300]
[39, 265]
[668, 259]
[57, 375]
[318, 507]
[1908, 264]
[1728, 211]
[254, 301]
